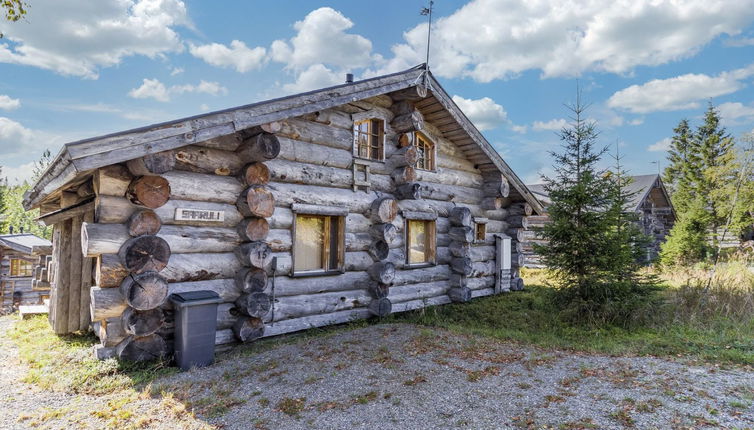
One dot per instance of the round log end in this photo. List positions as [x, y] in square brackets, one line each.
[248, 329]
[256, 174]
[460, 294]
[144, 253]
[250, 280]
[149, 191]
[254, 254]
[253, 229]
[142, 348]
[144, 291]
[142, 323]
[256, 201]
[256, 304]
[380, 307]
[143, 222]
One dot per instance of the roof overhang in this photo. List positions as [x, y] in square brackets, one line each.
[77, 160]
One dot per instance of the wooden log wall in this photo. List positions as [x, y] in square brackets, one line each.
[254, 179]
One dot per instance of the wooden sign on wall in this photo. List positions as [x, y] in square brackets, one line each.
[185, 214]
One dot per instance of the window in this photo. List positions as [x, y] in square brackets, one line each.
[368, 139]
[426, 150]
[319, 244]
[420, 242]
[480, 232]
[19, 267]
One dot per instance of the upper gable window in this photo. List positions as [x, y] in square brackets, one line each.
[426, 150]
[368, 139]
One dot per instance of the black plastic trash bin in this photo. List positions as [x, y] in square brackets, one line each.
[195, 326]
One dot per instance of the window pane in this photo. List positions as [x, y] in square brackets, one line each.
[310, 236]
[417, 241]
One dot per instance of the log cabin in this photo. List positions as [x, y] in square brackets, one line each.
[24, 260]
[364, 199]
[650, 201]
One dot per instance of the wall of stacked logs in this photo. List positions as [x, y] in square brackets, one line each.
[255, 178]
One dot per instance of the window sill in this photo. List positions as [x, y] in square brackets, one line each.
[419, 265]
[316, 273]
[372, 160]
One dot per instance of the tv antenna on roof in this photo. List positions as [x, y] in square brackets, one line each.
[428, 11]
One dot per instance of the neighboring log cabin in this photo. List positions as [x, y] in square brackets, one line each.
[24, 269]
[650, 201]
[368, 198]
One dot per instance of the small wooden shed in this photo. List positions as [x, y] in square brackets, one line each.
[650, 201]
[367, 198]
[23, 270]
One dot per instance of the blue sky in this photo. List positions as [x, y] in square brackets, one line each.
[79, 68]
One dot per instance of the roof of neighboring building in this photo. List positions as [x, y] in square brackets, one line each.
[25, 242]
[77, 160]
[639, 188]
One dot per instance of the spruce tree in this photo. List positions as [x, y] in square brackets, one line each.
[589, 234]
[683, 169]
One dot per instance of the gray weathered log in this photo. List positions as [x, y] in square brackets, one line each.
[461, 234]
[247, 329]
[142, 323]
[379, 291]
[253, 229]
[254, 254]
[387, 233]
[152, 164]
[380, 307]
[200, 159]
[459, 249]
[149, 191]
[382, 272]
[413, 93]
[203, 187]
[145, 348]
[407, 122]
[260, 147]
[109, 271]
[383, 210]
[256, 174]
[256, 304]
[251, 280]
[403, 175]
[459, 295]
[461, 265]
[406, 156]
[144, 291]
[117, 210]
[460, 217]
[144, 253]
[378, 250]
[100, 239]
[492, 203]
[143, 222]
[288, 194]
[256, 201]
[106, 303]
[517, 284]
[518, 221]
[412, 191]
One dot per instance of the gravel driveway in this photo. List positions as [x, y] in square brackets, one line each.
[408, 377]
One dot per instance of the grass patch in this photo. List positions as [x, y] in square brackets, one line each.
[682, 328]
[66, 363]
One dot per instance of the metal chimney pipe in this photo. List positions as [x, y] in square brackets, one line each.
[349, 78]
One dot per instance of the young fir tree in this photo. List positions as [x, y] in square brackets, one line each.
[589, 239]
[683, 170]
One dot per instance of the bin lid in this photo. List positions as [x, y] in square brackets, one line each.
[195, 298]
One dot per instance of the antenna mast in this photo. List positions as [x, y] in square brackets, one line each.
[428, 11]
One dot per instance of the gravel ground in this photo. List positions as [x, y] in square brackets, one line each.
[409, 377]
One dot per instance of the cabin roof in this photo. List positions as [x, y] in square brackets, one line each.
[77, 160]
[640, 188]
[26, 243]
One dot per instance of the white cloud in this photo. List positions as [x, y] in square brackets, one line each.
[17, 175]
[661, 145]
[17, 140]
[151, 88]
[79, 37]
[176, 71]
[494, 39]
[739, 43]
[552, 125]
[678, 93]
[7, 103]
[731, 113]
[154, 89]
[322, 39]
[315, 76]
[521, 129]
[238, 56]
[484, 112]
